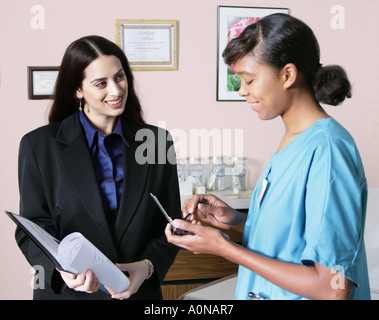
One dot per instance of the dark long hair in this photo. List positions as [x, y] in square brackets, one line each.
[280, 39]
[77, 57]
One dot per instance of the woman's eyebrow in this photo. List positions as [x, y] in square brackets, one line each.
[121, 70]
[102, 79]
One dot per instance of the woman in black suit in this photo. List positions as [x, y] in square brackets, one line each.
[91, 170]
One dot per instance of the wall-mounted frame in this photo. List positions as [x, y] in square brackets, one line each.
[41, 82]
[231, 22]
[149, 44]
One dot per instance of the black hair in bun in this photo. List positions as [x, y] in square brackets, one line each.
[280, 39]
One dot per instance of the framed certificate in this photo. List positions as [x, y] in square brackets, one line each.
[149, 44]
[41, 82]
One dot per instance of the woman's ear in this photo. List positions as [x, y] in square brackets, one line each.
[79, 94]
[289, 74]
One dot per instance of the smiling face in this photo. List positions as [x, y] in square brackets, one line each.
[104, 89]
[262, 86]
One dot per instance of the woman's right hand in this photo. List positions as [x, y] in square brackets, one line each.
[210, 209]
[84, 282]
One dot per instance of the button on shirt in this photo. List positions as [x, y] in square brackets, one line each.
[107, 159]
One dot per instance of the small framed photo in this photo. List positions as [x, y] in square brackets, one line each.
[149, 44]
[41, 82]
[231, 22]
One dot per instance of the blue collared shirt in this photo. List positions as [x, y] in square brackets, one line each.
[107, 159]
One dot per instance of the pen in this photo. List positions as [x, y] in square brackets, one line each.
[201, 201]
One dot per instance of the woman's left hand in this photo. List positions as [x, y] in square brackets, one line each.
[206, 239]
[138, 272]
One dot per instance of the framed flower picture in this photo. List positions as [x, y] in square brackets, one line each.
[231, 22]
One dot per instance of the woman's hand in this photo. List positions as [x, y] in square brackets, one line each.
[206, 239]
[210, 209]
[138, 272]
[84, 282]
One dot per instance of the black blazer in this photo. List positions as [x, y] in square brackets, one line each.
[58, 190]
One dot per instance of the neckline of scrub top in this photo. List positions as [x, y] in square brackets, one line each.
[301, 136]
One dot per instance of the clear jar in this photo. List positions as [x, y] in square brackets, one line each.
[196, 174]
[182, 164]
[218, 178]
[181, 172]
[221, 178]
[239, 174]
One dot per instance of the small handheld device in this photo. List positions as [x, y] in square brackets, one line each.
[175, 230]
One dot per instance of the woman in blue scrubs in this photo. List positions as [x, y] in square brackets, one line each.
[304, 233]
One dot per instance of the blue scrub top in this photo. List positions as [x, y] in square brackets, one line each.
[312, 209]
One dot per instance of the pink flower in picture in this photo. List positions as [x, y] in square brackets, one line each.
[238, 26]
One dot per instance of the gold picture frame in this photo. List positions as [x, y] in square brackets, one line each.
[150, 45]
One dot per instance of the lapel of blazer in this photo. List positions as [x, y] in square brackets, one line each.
[135, 178]
[77, 162]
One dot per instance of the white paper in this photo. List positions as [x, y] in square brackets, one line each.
[41, 235]
[78, 255]
[44, 82]
[148, 44]
[263, 190]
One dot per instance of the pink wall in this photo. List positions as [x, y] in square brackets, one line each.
[184, 99]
